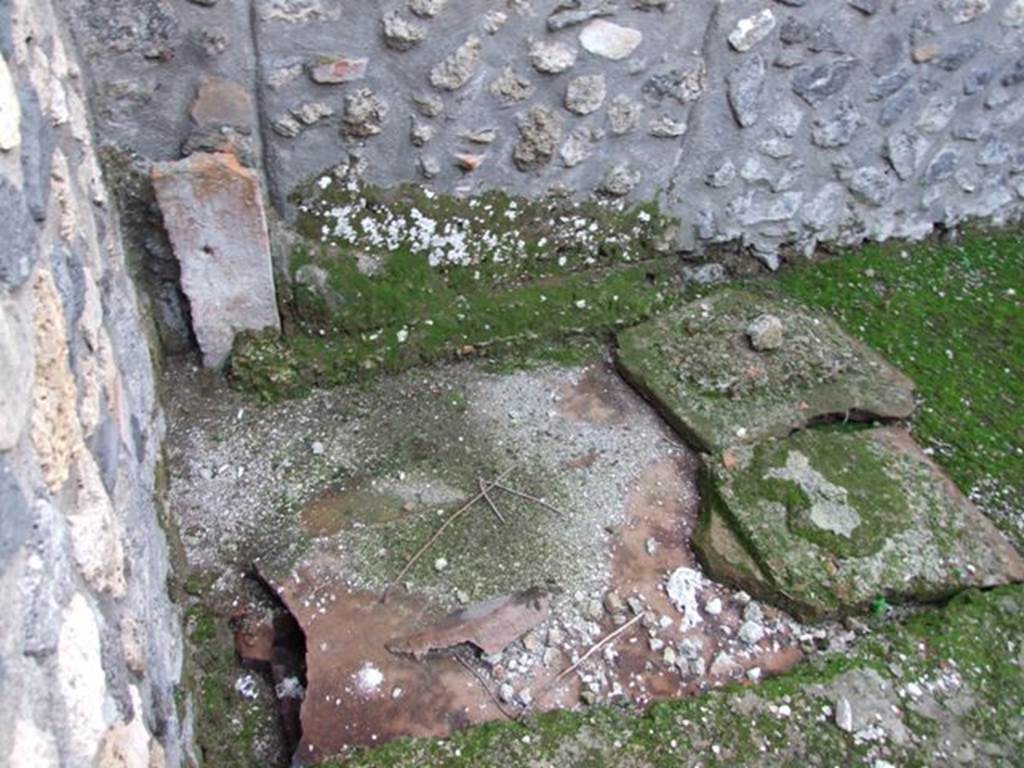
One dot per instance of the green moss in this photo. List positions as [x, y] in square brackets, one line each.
[696, 362]
[846, 463]
[542, 320]
[408, 277]
[227, 726]
[951, 316]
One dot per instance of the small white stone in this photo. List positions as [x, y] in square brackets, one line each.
[608, 40]
[751, 632]
[317, 448]
[440, 564]
[844, 715]
[754, 674]
[713, 607]
[752, 30]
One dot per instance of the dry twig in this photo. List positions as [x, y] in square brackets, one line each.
[528, 497]
[490, 502]
[437, 534]
[599, 644]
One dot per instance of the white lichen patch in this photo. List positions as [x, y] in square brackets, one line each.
[368, 679]
[830, 509]
[683, 588]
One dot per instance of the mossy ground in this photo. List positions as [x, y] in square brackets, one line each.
[951, 316]
[947, 314]
[413, 278]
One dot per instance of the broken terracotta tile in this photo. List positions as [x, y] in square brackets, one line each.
[491, 626]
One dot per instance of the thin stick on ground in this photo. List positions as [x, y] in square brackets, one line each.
[483, 684]
[528, 497]
[599, 644]
[437, 534]
[489, 500]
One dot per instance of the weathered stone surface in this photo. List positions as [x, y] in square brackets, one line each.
[942, 166]
[10, 111]
[838, 128]
[936, 114]
[457, 69]
[551, 57]
[888, 84]
[56, 431]
[619, 180]
[766, 332]
[540, 130]
[824, 522]
[904, 151]
[994, 152]
[579, 146]
[624, 114]
[697, 365]
[17, 362]
[816, 83]
[1015, 75]
[825, 208]
[1013, 16]
[684, 84]
[752, 30]
[364, 114]
[896, 106]
[964, 11]
[427, 8]
[585, 94]
[511, 87]
[610, 41]
[213, 213]
[871, 185]
[665, 127]
[569, 17]
[722, 175]
[17, 233]
[745, 85]
[332, 70]
[765, 207]
[419, 132]
[400, 34]
[954, 56]
[222, 102]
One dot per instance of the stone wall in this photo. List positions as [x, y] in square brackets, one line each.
[91, 647]
[771, 123]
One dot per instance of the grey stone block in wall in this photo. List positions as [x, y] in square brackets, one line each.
[17, 237]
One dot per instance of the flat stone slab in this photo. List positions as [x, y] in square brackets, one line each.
[827, 521]
[700, 367]
[213, 212]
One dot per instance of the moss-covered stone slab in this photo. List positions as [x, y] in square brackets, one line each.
[826, 522]
[700, 366]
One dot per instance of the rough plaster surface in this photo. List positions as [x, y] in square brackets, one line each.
[773, 124]
[82, 556]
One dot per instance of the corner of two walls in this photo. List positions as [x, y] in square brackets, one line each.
[91, 651]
